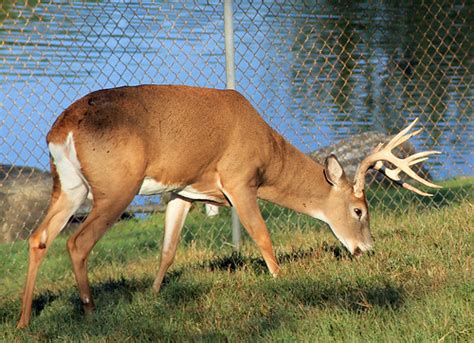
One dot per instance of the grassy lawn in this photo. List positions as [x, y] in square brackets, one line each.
[416, 286]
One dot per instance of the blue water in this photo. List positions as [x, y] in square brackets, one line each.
[317, 73]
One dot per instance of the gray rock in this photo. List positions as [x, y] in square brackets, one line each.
[24, 198]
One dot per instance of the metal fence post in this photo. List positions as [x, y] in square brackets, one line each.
[230, 84]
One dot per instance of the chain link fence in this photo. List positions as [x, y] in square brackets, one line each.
[320, 72]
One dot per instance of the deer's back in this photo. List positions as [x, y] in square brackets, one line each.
[173, 126]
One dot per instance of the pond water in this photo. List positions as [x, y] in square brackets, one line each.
[318, 72]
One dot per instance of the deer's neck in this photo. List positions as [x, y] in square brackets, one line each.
[295, 181]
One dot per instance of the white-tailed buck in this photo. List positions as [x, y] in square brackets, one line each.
[202, 145]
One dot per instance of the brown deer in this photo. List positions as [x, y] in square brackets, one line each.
[202, 145]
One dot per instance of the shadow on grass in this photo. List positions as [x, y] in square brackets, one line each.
[108, 292]
[354, 298]
[236, 260]
[115, 291]
[10, 309]
[43, 299]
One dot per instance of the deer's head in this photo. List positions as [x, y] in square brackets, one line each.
[346, 213]
[346, 209]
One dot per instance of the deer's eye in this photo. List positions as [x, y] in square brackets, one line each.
[358, 212]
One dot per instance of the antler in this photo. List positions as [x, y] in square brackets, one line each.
[384, 153]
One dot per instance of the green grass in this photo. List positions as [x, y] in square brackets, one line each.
[416, 286]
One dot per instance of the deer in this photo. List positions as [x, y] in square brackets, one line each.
[200, 144]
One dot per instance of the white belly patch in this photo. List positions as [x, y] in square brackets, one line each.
[151, 187]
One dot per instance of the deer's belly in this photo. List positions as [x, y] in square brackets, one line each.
[151, 187]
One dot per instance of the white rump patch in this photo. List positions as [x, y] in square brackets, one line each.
[73, 183]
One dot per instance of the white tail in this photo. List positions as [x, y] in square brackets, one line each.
[201, 145]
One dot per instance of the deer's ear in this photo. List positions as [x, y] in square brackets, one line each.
[333, 171]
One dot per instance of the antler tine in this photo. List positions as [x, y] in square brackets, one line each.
[407, 170]
[404, 138]
[395, 141]
[419, 155]
[413, 162]
[415, 190]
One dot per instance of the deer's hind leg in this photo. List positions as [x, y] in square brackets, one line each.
[64, 203]
[111, 197]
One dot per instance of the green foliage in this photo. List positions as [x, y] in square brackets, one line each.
[416, 286]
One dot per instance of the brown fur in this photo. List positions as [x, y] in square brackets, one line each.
[211, 140]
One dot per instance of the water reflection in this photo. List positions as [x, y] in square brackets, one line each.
[317, 71]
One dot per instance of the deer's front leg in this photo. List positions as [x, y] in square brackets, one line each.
[176, 213]
[244, 200]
